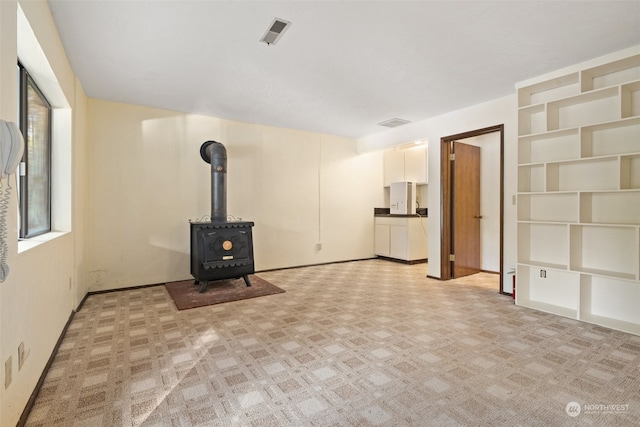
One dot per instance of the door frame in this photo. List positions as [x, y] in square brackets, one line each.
[445, 191]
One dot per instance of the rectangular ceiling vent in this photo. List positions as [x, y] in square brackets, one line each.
[275, 31]
[393, 123]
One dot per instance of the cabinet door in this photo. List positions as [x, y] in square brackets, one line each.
[393, 167]
[417, 235]
[415, 165]
[381, 240]
[398, 242]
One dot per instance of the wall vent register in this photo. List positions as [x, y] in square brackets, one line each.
[393, 123]
[275, 31]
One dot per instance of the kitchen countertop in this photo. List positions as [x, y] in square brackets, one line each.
[386, 212]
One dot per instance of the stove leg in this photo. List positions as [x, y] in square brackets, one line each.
[203, 286]
[196, 282]
[246, 280]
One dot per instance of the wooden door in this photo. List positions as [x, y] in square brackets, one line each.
[465, 210]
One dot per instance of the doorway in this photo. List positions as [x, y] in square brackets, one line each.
[461, 246]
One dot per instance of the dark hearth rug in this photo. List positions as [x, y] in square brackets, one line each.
[186, 295]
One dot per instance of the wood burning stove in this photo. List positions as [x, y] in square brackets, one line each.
[220, 249]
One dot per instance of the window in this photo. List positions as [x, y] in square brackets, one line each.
[34, 190]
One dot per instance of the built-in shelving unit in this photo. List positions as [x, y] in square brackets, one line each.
[579, 192]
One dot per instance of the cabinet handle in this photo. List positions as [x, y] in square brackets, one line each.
[478, 216]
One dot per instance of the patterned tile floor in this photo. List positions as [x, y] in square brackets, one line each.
[367, 343]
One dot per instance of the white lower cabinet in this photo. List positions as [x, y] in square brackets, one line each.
[399, 241]
[403, 238]
[382, 240]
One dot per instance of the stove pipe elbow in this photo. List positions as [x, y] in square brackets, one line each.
[214, 153]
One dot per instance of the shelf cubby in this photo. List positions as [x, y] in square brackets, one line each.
[630, 172]
[532, 119]
[611, 74]
[610, 251]
[550, 207]
[610, 302]
[599, 106]
[548, 90]
[620, 207]
[549, 147]
[618, 137]
[557, 292]
[592, 174]
[531, 178]
[630, 98]
[543, 245]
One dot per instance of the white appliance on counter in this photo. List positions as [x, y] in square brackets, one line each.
[402, 198]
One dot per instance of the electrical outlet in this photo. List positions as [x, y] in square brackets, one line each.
[543, 273]
[318, 246]
[8, 368]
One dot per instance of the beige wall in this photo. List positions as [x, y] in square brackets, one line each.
[45, 280]
[148, 180]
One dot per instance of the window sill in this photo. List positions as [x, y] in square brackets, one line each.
[32, 242]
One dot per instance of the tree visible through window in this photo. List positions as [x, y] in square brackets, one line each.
[35, 172]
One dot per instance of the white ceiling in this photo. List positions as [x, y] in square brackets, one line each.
[342, 66]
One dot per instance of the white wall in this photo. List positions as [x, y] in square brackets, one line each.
[45, 282]
[148, 180]
[491, 113]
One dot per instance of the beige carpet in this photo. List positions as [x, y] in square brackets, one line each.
[369, 343]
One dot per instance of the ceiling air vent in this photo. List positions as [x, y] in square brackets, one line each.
[275, 31]
[393, 123]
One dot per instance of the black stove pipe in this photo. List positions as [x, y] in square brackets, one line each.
[214, 153]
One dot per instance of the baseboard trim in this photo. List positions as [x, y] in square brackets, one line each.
[314, 265]
[128, 288]
[82, 302]
[404, 261]
[32, 399]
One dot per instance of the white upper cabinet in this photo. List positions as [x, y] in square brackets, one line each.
[408, 164]
[393, 167]
[415, 165]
